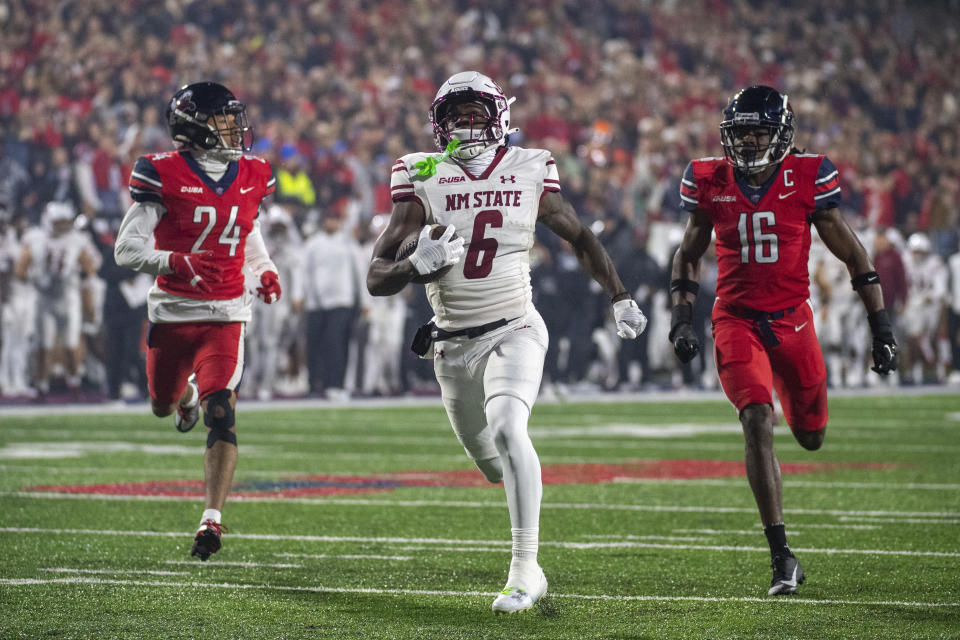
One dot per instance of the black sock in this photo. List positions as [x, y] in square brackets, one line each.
[776, 538]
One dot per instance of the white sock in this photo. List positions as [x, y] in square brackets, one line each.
[210, 514]
[522, 484]
[525, 543]
[524, 570]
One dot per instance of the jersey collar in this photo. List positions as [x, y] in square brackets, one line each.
[502, 151]
[755, 193]
[220, 186]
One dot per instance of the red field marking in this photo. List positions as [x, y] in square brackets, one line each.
[329, 485]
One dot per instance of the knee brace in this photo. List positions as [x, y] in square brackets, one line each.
[219, 416]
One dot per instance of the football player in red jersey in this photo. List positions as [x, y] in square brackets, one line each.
[193, 225]
[760, 200]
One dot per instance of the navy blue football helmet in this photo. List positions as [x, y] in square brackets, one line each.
[207, 116]
[757, 129]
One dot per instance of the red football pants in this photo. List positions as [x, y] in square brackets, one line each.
[748, 368]
[212, 350]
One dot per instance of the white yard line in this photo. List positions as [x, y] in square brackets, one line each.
[900, 520]
[792, 529]
[245, 565]
[353, 556]
[451, 541]
[943, 517]
[455, 548]
[788, 482]
[460, 594]
[115, 571]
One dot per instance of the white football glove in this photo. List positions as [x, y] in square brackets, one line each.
[432, 255]
[630, 320]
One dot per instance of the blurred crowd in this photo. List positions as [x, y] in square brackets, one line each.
[623, 92]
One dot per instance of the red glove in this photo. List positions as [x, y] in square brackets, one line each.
[270, 291]
[196, 268]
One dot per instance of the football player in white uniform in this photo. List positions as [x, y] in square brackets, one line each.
[488, 341]
[55, 258]
[926, 301]
[273, 326]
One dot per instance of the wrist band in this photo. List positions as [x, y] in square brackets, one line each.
[680, 314]
[614, 297]
[684, 284]
[880, 323]
[863, 279]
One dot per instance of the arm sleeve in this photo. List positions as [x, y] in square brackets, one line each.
[401, 184]
[826, 188]
[552, 180]
[689, 198]
[134, 247]
[688, 189]
[256, 257]
[145, 183]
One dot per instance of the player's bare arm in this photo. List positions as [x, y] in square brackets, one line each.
[386, 277]
[843, 243]
[558, 215]
[684, 285]
[686, 262]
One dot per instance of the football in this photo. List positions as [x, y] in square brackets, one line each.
[409, 244]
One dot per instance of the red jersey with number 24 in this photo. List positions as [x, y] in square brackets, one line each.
[203, 214]
[763, 233]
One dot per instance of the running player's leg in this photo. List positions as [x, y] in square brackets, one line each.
[746, 376]
[512, 381]
[462, 392]
[169, 363]
[800, 378]
[218, 365]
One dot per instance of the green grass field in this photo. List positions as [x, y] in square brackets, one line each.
[648, 528]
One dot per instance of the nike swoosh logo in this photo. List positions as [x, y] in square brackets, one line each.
[801, 326]
[786, 195]
[792, 582]
[242, 190]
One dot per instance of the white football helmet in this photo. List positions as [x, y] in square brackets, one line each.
[58, 217]
[483, 133]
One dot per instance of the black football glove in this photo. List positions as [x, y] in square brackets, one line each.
[684, 339]
[884, 344]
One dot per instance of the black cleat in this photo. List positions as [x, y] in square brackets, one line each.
[787, 575]
[207, 540]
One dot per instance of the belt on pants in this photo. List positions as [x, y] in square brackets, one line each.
[761, 319]
[430, 333]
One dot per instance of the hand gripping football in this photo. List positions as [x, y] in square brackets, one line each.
[409, 245]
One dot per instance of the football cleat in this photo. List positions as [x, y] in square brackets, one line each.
[207, 540]
[787, 575]
[514, 599]
[185, 419]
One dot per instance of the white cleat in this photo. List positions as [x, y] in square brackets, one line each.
[185, 418]
[514, 599]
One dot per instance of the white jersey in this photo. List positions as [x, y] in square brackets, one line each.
[495, 213]
[55, 261]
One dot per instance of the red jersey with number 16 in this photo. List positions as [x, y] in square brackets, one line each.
[203, 214]
[763, 233]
